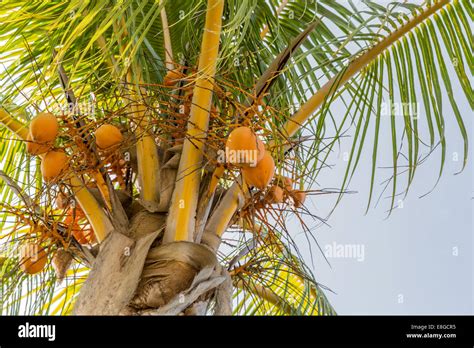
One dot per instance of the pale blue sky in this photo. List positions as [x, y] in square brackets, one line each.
[418, 261]
[410, 254]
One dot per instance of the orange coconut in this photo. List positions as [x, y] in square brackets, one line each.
[33, 258]
[298, 197]
[44, 128]
[244, 147]
[172, 77]
[53, 164]
[262, 174]
[108, 136]
[34, 148]
[275, 194]
[287, 183]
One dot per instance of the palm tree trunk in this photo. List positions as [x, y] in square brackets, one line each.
[116, 271]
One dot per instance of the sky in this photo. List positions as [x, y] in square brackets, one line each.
[417, 261]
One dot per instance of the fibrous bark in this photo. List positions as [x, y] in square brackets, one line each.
[169, 270]
[116, 271]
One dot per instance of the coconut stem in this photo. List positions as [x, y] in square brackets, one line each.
[181, 218]
[167, 40]
[147, 154]
[147, 160]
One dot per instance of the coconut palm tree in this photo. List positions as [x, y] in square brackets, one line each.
[155, 221]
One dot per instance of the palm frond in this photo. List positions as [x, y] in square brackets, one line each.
[272, 281]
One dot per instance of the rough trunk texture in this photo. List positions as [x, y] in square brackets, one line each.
[116, 271]
[134, 274]
[170, 274]
[114, 275]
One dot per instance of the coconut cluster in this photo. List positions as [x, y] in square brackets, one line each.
[246, 150]
[43, 131]
[282, 190]
[42, 134]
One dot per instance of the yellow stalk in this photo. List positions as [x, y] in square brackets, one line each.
[280, 8]
[266, 294]
[220, 220]
[226, 209]
[92, 209]
[227, 213]
[147, 155]
[103, 189]
[149, 170]
[167, 39]
[94, 212]
[181, 218]
[15, 126]
[218, 172]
